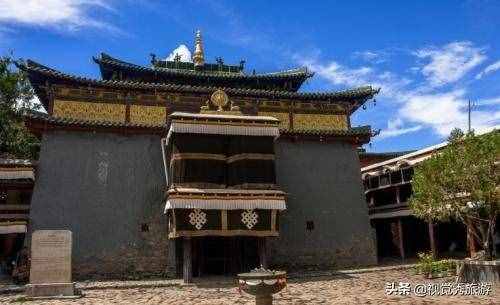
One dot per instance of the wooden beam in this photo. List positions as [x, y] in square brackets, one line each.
[185, 233]
[14, 207]
[14, 216]
[187, 270]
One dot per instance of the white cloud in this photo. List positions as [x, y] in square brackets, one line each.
[338, 74]
[445, 111]
[67, 14]
[395, 128]
[371, 56]
[416, 103]
[182, 51]
[489, 101]
[489, 69]
[449, 63]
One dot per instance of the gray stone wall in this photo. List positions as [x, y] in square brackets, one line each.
[106, 187]
[108, 190]
[323, 181]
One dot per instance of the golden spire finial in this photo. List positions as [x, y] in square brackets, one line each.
[198, 56]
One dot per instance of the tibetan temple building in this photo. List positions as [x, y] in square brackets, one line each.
[16, 184]
[195, 168]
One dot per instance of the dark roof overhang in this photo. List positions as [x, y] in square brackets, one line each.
[107, 60]
[289, 80]
[40, 122]
[356, 135]
[41, 77]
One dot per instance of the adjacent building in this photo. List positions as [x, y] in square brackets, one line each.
[16, 185]
[399, 234]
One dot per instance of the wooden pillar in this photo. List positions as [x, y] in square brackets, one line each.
[401, 241]
[201, 258]
[235, 255]
[266, 299]
[432, 239]
[187, 270]
[262, 249]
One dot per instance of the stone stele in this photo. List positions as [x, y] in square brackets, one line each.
[50, 272]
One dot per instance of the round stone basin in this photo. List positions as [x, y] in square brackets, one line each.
[262, 283]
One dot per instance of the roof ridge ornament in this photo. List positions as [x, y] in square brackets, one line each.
[198, 55]
[219, 99]
[219, 102]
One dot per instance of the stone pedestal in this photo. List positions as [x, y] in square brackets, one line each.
[470, 271]
[51, 289]
[264, 299]
[50, 273]
[262, 283]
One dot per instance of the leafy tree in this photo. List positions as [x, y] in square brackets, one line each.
[461, 183]
[16, 98]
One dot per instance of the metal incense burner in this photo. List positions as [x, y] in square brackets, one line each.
[262, 283]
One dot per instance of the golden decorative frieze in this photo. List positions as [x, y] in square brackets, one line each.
[302, 121]
[89, 111]
[282, 116]
[153, 115]
[313, 107]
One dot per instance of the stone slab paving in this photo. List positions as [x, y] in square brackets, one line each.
[354, 288]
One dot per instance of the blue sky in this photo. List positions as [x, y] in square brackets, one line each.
[428, 57]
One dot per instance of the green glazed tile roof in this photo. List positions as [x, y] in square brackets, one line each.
[39, 74]
[106, 59]
[361, 131]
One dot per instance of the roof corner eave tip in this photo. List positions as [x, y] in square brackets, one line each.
[20, 65]
[308, 72]
[104, 55]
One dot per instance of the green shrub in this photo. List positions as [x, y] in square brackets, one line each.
[427, 265]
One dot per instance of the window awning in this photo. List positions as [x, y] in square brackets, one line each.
[223, 129]
[15, 173]
[225, 199]
[220, 124]
[6, 228]
[225, 204]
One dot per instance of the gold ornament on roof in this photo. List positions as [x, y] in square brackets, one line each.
[198, 56]
[219, 98]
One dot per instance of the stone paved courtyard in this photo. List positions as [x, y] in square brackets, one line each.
[362, 288]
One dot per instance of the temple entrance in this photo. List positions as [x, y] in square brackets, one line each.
[401, 238]
[405, 237]
[224, 255]
[387, 239]
[10, 246]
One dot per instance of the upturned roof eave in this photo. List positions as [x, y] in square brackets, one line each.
[40, 122]
[357, 96]
[301, 73]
